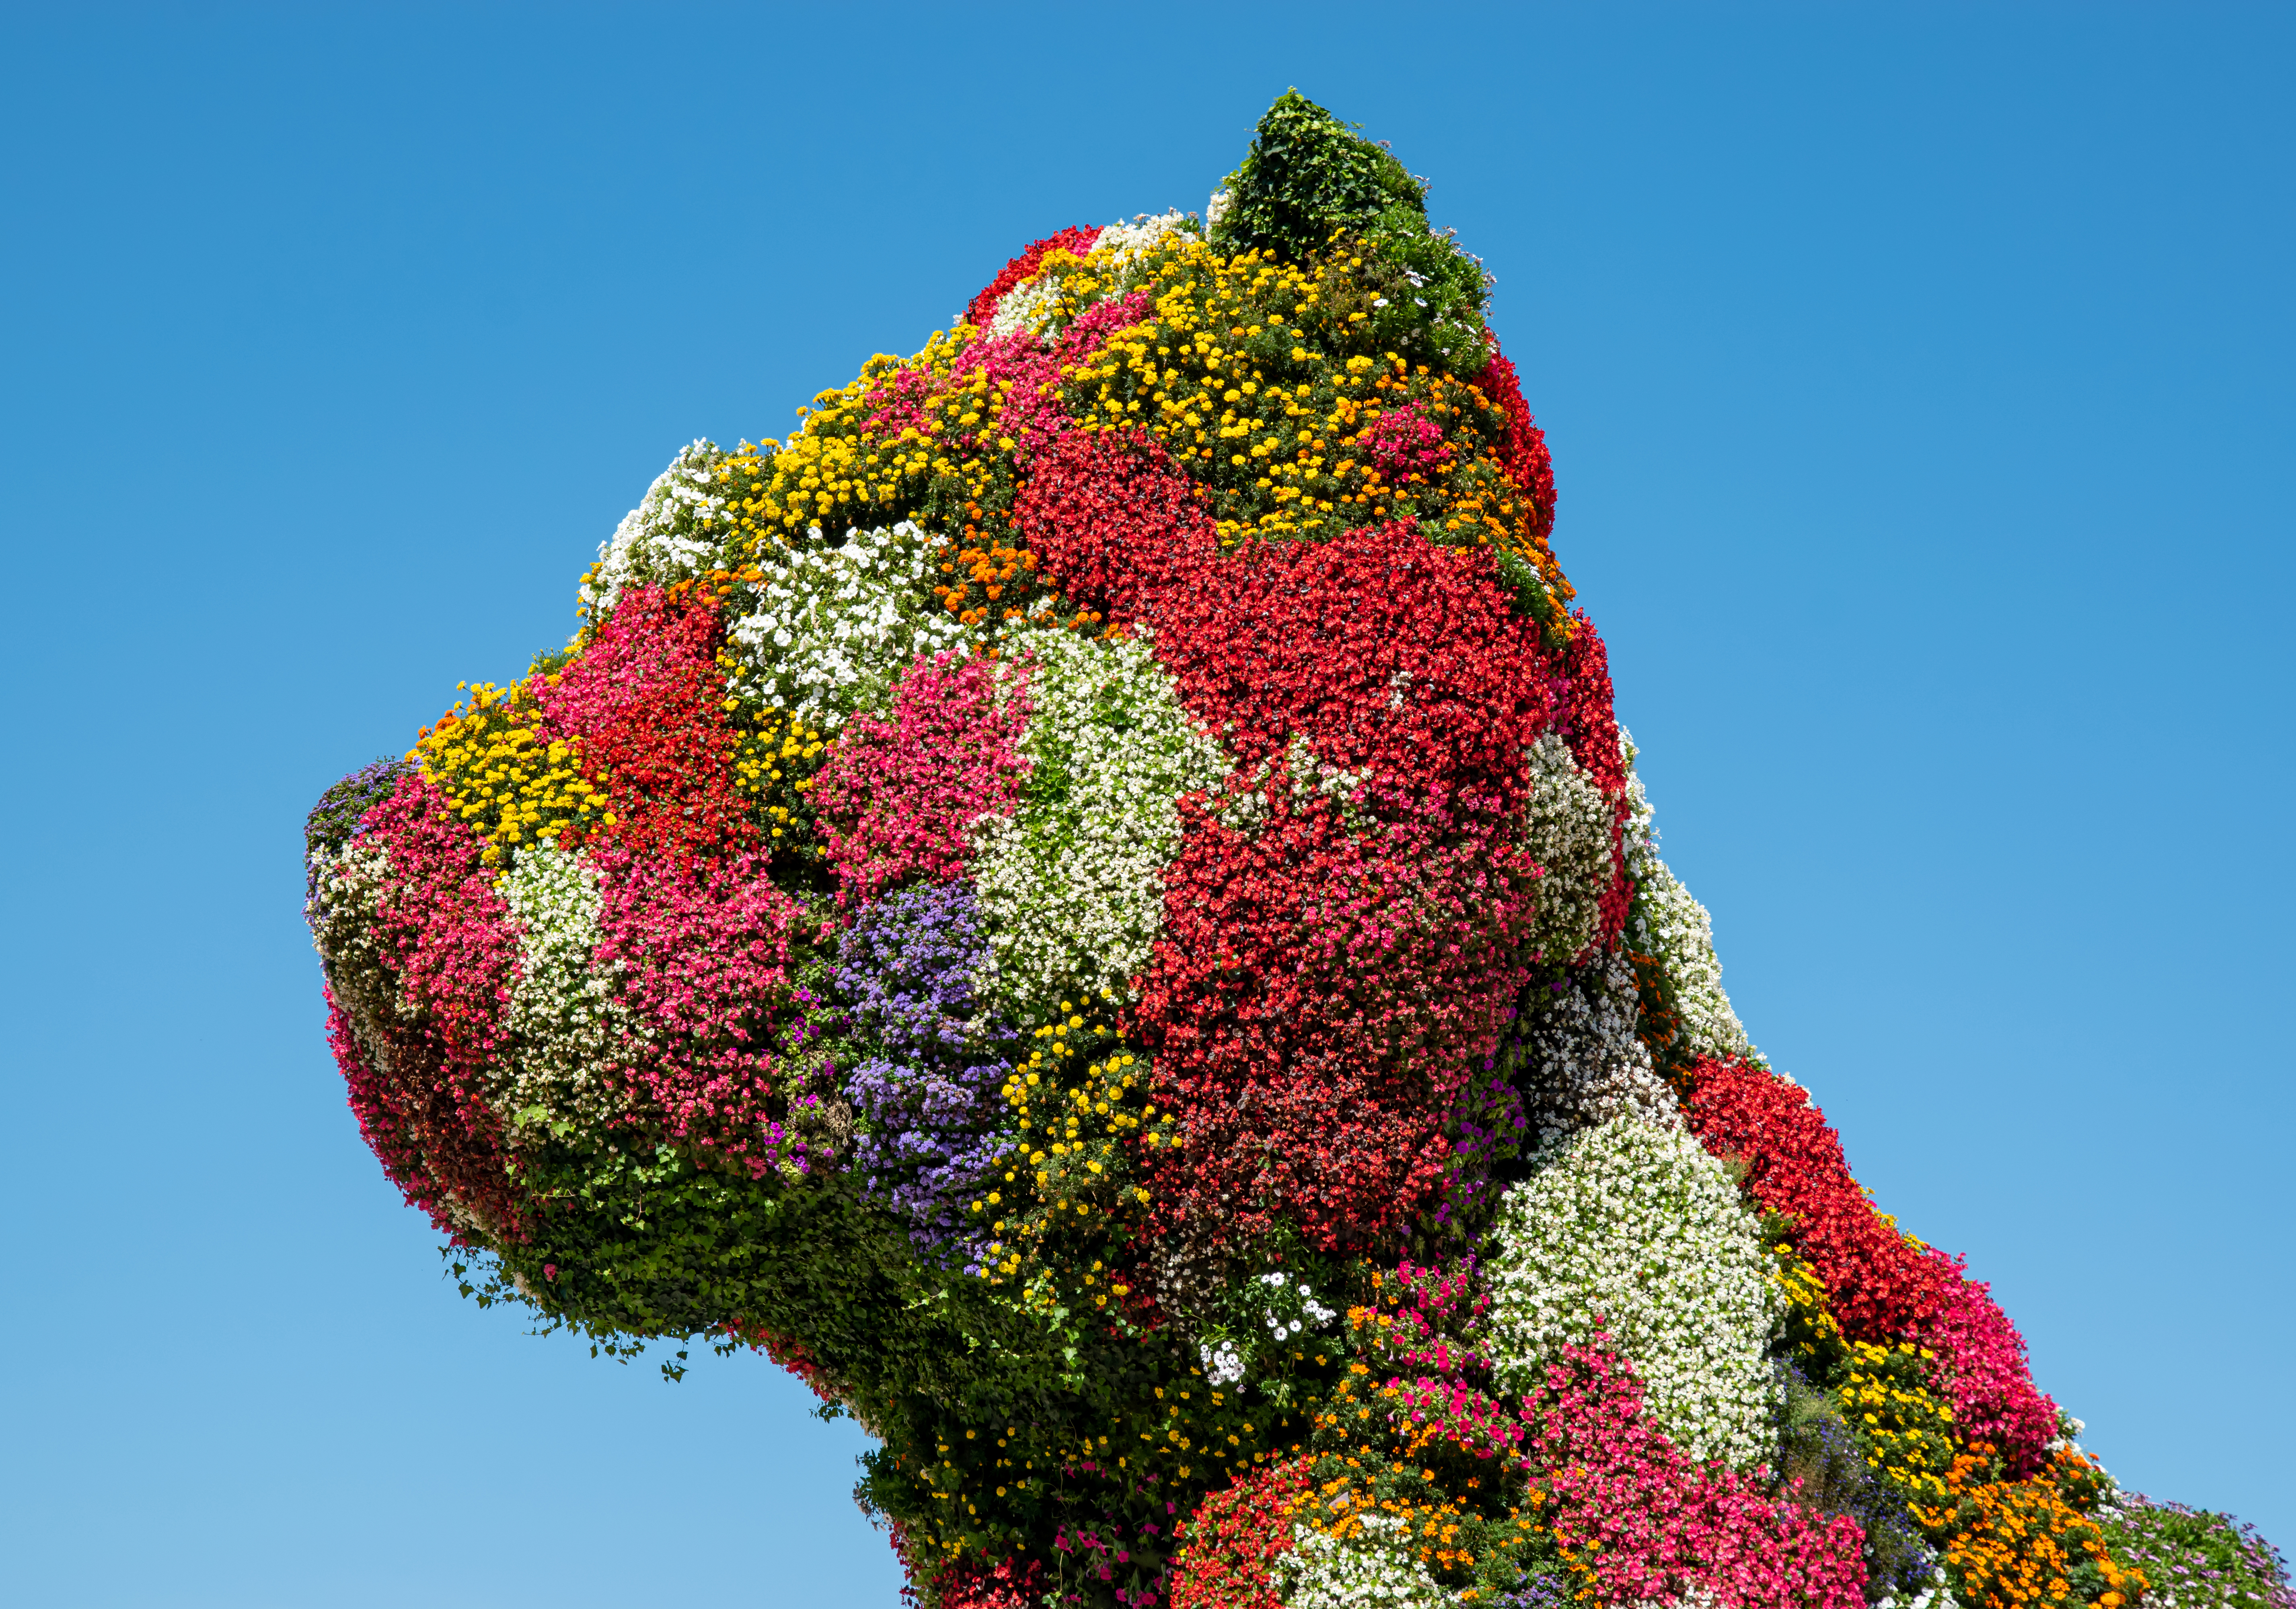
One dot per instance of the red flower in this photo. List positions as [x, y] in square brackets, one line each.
[978, 311]
[1233, 1539]
[644, 697]
[1884, 1285]
[1344, 927]
[1524, 456]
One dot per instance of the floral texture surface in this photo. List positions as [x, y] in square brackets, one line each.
[1092, 903]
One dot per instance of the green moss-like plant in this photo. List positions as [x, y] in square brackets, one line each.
[1310, 185]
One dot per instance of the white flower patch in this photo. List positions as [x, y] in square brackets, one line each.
[1581, 1063]
[1030, 306]
[345, 911]
[1145, 232]
[1223, 1363]
[1567, 829]
[562, 1007]
[1372, 1568]
[1126, 253]
[1667, 922]
[678, 529]
[834, 625]
[1937, 1595]
[1639, 1228]
[1073, 883]
[1025, 306]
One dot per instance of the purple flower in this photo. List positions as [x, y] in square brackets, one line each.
[934, 1127]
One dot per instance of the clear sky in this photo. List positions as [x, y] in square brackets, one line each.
[1919, 381]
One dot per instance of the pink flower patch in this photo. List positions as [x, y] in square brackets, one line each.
[1983, 1369]
[419, 1073]
[899, 794]
[703, 953]
[1638, 1522]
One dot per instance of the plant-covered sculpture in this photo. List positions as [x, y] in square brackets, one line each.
[1091, 903]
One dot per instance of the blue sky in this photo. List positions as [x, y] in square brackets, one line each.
[1919, 383]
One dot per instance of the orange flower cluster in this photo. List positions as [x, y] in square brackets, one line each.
[1415, 1450]
[992, 576]
[2017, 1544]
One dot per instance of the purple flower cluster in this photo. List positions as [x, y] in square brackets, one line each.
[926, 1088]
[1489, 1127]
[1537, 1592]
[1823, 1466]
[2196, 1559]
[342, 808]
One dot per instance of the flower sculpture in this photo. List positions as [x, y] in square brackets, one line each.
[1092, 904]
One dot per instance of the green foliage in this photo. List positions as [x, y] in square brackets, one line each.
[1122, 1434]
[1309, 180]
[1307, 174]
[1526, 588]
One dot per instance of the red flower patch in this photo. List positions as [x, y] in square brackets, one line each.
[644, 697]
[899, 796]
[1344, 928]
[1524, 455]
[1880, 1287]
[1233, 1539]
[977, 311]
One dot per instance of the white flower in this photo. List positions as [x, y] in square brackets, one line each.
[1641, 1230]
[1937, 1595]
[563, 1010]
[1374, 1567]
[1667, 922]
[1025, 306]
[1217, 207]
[1030, 306]
[1073, 882]
[1567, 829]
[1580, 1061]
[1223, 1364]
[679, 529]
[832, 625]
[345, 910]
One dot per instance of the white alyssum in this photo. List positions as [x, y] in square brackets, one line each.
[1640, 1229]
[563, 1009]
[1371, 1569]
[1073, 882]
[1667, 922]
[680, 529]
[833, 626]
[1567, 830]
[1581, 1063]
